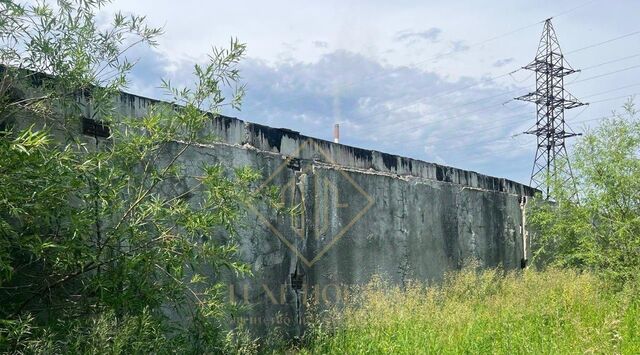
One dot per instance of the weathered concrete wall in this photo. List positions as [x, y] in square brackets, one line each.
[362, 213]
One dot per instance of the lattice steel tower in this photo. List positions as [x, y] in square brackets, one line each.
[551, 161]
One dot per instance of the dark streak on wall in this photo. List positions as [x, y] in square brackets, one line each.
[424, 218]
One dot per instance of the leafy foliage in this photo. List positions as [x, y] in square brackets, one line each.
[104, 243]
[601, 231]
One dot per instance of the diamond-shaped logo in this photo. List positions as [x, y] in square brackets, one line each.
[327, 197]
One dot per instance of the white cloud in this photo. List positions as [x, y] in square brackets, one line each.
[317, 63]
[502, 62]
[431, 35]
[320, 44]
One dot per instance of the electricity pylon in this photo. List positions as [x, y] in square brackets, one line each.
[551, 163]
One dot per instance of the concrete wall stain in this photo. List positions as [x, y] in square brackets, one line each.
[425, 218]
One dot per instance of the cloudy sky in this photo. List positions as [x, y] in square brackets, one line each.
[424, 79]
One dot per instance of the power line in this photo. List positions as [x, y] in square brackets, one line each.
[511, 148]
[572, 9]
[612, 90]
[454, 51]
[458, 147]
[490, 79]
[573, 51]
[440, 111]
[603, 42]
[490, 126]
[413, 102]
[610, 62]
[573, 118]
[411, 127]
[507, 149]
[606, 74]
[615, 98]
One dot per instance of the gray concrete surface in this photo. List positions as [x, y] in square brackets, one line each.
[363, 213]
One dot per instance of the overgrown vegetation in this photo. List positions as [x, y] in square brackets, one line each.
[103, 243]
[596, 224]
[588, 236]
[552, 312]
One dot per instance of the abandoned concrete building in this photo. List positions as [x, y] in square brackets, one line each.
[363, 213]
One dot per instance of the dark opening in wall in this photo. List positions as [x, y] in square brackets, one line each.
[296, 281]
[293, 164]
[95, 128]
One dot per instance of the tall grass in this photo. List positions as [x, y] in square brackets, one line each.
[555, 311]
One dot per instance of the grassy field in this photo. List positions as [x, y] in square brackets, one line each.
[555, 311]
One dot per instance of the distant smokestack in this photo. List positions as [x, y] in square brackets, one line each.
[336, 133]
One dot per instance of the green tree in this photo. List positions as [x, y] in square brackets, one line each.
[601, 230]
[98, 250]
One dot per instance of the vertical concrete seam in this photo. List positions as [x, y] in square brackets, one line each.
[301, 185]
[404, 267]
[525, 233]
